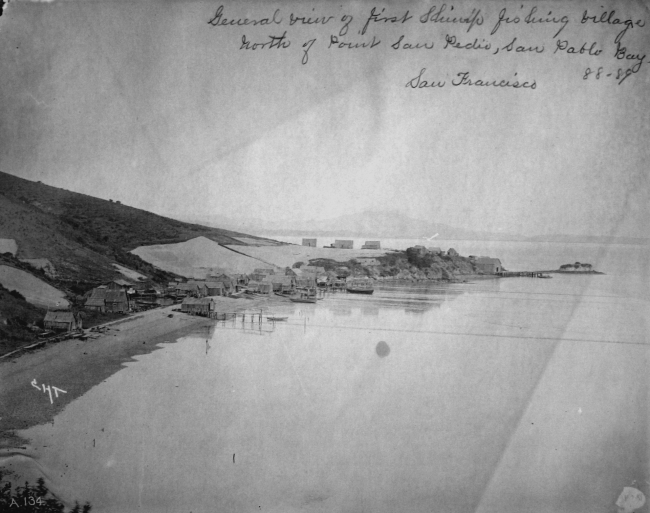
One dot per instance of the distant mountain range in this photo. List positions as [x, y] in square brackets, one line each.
[388, 224]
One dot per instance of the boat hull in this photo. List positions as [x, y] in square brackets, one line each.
[357, 291]
[303, 300]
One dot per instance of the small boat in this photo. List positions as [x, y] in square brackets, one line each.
[275, 318]
[360, 286]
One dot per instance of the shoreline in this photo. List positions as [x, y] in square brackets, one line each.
[77, 366]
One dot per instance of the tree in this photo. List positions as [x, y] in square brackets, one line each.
[30, 498]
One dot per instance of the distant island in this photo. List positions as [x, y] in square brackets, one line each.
[577, 268]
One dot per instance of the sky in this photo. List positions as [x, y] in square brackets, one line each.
[149, 104]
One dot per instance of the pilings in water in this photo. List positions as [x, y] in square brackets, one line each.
[233, 316]
[526, 274]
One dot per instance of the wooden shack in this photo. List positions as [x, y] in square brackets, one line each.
[97, 300]
[62, 321]
[488, 265]
[116, 300]
[197, 306]
[343, 244]
[265, 287]
[215, 288]
[283, 283]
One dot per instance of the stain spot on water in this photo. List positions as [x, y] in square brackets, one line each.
[382, 349]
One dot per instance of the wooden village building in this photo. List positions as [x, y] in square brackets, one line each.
[182, 289]
[343, 244]
[215, 288]
[62, 321]
[260, 287]
[197, 306]
[371, 244]
[104, 299]
[197, 288]
[228, 282]
[283, 283]
[241, 280]
[306, 281]
[488, 265]
[309, 242]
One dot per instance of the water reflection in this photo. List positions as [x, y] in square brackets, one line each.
[340, 308]
[410, 298]
[452, 396]
[370, 310]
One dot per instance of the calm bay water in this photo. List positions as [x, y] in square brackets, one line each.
[502, 395]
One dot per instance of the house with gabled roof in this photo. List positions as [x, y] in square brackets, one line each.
[283, 283]
[215, 288]
[488, 265]
[105, 299]
[197, 306]
[62, 321]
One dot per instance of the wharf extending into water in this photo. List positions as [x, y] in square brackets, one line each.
[540, 274]
[527, 274]
[232, 316]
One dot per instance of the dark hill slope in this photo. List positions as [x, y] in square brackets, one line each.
[40, 235]
[15, 314]
[82, 235]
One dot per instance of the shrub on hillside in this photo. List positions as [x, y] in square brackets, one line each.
[17, 295]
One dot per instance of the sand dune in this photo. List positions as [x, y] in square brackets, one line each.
[286, 256]
[129, 273]
[196, 257]
[34, 290]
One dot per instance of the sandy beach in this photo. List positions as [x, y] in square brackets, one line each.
[76, 366]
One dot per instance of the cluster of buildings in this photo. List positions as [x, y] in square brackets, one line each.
[343, 244]
[260, 281]
[120, 296]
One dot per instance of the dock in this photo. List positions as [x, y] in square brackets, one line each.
[524, 274]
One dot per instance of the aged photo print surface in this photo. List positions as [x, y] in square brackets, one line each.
[324, 257]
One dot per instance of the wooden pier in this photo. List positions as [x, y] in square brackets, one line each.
[523, 274]
[233, 316]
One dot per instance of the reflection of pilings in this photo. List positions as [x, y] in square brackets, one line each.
[224, 316]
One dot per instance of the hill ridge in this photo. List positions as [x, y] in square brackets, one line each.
[83, 235]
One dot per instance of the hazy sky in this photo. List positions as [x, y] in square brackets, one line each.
[147, 103]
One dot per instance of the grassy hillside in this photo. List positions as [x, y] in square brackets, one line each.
[82, 235]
